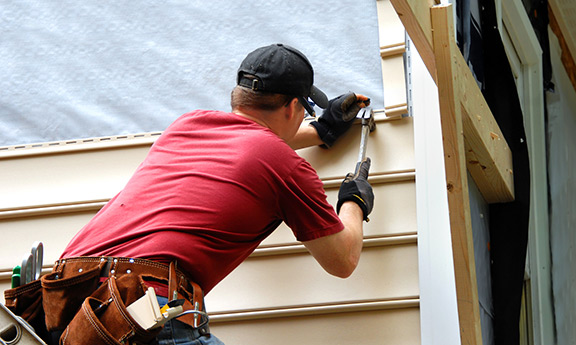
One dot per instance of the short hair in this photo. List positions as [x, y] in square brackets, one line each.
[247, 98]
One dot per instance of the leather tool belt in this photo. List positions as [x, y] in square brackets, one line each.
[86, 298]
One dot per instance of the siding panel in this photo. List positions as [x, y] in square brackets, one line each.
[398, 327]
[390, 146]
[384, 273]
[67, 177]
[394, 213]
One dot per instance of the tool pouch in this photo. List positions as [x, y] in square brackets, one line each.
[26, 302]
[62, 296]
[104, 319]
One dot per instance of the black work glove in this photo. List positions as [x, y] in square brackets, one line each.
[358, 189]
[338, 117]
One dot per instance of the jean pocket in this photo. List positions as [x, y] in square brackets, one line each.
[63, 296]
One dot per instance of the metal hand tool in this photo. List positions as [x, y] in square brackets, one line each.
[32, 264]
[368, 126]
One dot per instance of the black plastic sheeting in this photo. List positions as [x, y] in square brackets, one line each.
[508, 221]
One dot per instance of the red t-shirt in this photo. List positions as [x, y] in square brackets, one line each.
[212, 187]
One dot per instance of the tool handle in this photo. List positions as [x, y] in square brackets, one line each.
[38, 257]
[367, 117]
[357, 170]
[363, 144]
[16, 277]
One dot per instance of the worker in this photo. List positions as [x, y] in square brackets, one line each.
[213, 186]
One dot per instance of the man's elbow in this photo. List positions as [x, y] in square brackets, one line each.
[344, 270]
[343, 274]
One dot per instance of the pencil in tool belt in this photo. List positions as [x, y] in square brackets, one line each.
[173, 303]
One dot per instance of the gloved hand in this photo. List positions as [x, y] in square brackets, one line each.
[358, 189]
[338, 117]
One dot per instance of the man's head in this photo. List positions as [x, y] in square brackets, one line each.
[281, 69]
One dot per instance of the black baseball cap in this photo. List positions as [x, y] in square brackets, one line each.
[282, 69]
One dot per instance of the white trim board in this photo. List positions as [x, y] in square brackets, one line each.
[525, 44]
[439, 322]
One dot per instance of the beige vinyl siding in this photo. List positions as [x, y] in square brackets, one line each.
[383, 326]
[280, 285]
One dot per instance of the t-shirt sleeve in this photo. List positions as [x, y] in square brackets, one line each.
[304, 206]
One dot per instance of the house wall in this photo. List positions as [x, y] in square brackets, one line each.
[279, 294]
[561, 105]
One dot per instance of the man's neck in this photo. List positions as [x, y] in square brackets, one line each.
[256, 119]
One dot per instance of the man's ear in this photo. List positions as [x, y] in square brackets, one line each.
[291, 108]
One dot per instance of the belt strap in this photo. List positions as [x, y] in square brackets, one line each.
[193, 310]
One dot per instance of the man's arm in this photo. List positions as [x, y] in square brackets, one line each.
[336, 120]
[305, 137]
[339, 253]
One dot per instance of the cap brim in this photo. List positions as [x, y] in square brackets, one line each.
[318, 97]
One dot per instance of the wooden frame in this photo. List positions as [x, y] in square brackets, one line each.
[489, 158]
[453, 123]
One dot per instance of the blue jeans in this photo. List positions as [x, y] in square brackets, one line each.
[176, 332]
